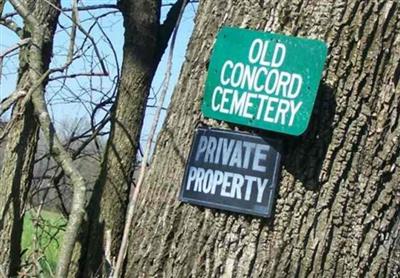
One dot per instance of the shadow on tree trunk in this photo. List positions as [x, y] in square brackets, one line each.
[304, 155]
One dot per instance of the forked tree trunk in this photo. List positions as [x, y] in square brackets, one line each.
[337, 207]
[107, 207]
[16, 173]
[145, 42]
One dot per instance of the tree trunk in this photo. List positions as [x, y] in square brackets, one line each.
[16, 173]
[145, 43]
[337, 207]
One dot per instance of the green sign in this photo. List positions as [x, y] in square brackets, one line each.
[263, 80]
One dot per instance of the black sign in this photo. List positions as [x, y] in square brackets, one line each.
[232, 171]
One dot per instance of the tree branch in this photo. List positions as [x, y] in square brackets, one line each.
[94, 7]
[10, 100]
[75, 18]
[24, 12]
[14, 47]
[167, 27]
[10, 24]
[80, 8]
[62, 157]
[8, 51]
[74, 75]
[2, 2]
[96, 50]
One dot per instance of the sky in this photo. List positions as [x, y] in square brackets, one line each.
[71, 101]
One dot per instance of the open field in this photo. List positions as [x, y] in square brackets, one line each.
[40, 241]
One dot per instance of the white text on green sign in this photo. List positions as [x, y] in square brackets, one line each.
[263, 80]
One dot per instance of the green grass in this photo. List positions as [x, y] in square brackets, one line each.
[47, 235]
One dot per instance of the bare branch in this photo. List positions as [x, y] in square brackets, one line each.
[107, 250]
[25, 100]
[95, 7]
[57, 178]
[80, 8]
[75, 18]
[168, 26]
[97, 51]
[14, 47]
[24, 12]
[10, 100]
[74, 75]
[10, 24]
[2, 2]
[63, 159]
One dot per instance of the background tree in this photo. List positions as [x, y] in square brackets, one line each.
[36, 63]
[337, 208]
[22, 132]
[145, 42]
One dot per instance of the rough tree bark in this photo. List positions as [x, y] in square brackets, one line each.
[145, 42]
[16, 172]
[337, 208]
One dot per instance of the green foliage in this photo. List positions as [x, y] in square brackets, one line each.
[41, 240]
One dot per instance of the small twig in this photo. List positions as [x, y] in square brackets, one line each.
[34, 87]
[107, 252]
[95, 7]
[8, 51]
[80, 8]
[74, 75]
[49, 268]
[75, 19]
[155, 106]
[24, 101]
[11, 25]
[14, 47]
[97, 51]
